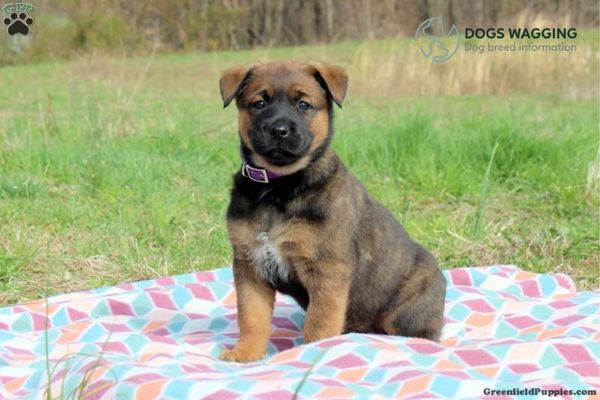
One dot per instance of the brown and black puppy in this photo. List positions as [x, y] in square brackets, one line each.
[300, 224]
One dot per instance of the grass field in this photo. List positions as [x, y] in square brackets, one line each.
[117, 169]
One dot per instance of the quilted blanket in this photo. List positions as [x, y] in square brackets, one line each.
[509, 333]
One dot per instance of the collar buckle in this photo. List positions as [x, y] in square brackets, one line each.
[255, 174]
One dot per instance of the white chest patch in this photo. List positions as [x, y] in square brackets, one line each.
[268, 261]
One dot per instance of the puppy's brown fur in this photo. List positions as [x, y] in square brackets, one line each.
[315, 233]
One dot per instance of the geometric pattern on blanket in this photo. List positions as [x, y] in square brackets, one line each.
[506, 329]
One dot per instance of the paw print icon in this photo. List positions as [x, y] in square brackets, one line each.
[18, 23]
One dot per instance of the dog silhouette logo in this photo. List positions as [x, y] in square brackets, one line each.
[434, 42]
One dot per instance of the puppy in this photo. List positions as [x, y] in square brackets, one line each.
[301, 224]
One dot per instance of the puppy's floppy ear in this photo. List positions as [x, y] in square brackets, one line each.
[233, 82]
[334, 79]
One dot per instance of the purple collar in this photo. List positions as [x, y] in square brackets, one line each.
[258, 174]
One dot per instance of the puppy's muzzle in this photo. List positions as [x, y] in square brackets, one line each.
[280, 140]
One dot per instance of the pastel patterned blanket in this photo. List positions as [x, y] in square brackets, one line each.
[507, 329]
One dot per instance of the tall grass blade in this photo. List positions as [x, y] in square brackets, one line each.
[318, 358]
[483, 193]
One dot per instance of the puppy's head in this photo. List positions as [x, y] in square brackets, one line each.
[285, 110]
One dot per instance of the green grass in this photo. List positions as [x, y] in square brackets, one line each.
[109, 174]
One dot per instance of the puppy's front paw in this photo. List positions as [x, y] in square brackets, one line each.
[240, 355]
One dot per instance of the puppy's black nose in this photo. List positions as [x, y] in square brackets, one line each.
[281, 129]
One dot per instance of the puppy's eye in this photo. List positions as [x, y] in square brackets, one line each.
[259, 104]
[302, 105]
